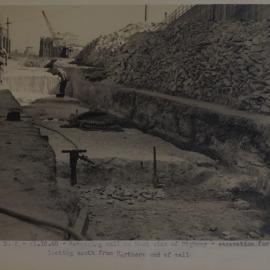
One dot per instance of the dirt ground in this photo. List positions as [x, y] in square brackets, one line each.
[27, 174]
[197, 198]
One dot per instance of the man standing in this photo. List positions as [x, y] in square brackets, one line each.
[61, 74]
[63, 80]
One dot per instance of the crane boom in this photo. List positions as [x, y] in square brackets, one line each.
[48, 24]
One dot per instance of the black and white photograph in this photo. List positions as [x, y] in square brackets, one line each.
[135, 122]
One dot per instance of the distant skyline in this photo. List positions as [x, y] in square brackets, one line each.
[88, 22]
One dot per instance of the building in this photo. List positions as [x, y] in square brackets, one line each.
[62, 47]
[48, 48]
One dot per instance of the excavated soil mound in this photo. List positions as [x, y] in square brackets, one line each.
[225, 62]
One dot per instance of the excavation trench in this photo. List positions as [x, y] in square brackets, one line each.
[118, 189]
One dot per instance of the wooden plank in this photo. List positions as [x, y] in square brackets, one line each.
[82, 222]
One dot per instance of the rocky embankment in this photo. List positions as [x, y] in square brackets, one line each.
[100, 51]
[225, 62]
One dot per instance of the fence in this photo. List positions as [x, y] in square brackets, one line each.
[178, 12]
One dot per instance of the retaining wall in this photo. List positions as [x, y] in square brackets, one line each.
[226, 135]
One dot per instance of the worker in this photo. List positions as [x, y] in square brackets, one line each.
[61, 74]
[3, 61]
[63, 80]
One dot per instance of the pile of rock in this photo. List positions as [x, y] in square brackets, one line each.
[226, 62]
[100, 51]
[124, 194]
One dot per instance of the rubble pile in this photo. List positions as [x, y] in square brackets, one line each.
[102, 49]
[225, 62]
[123, 194]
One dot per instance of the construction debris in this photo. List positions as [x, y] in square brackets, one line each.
[94, 120]
[225, 62]
[241, 205]
[104, 47]
[14, 116]
[116, 193]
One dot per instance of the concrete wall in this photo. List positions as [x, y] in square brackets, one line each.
[223, 134]
[28, 84]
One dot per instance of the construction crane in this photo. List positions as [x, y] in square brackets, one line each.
[57, 38]
[66, 42]
[48, 24]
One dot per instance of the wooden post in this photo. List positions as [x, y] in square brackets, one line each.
[154, 161]
[165, 15]
[155, 178]
[145, 13]
[73, 159]
[8, 23]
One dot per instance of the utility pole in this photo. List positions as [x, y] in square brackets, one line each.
[145, 13]
[8, 40]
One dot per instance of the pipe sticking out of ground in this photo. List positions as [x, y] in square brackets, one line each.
[40, 222]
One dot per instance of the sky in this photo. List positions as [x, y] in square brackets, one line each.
[88, 22]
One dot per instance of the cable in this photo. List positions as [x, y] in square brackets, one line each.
[58, 132]
[37, 221]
